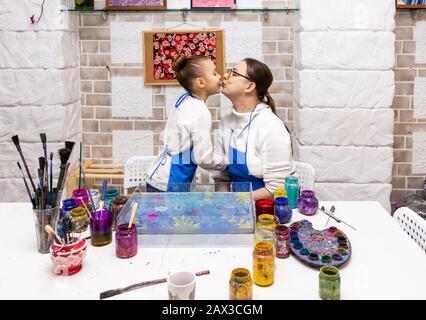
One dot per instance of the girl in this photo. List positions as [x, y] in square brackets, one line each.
[187, 134]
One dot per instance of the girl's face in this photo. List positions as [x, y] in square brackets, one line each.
[213, 83]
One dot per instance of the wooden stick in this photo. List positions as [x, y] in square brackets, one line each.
[135, 207]
[114, 292]
[50, 231]
[88, 212]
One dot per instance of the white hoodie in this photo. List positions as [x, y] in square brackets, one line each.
[269, 153]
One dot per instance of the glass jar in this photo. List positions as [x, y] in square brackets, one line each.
[240, 285]
[280, 193]
[308, 203]
[329, 283]
[68, 205]
[264, 206]
[116, 207]
[101, 228]
[126, 241]
[263, 264]
[292, 189]
[80, 195]
[266, 221]
[95, 197]
[282, 234]
[283, 210]
[110, 196]
[79, 219]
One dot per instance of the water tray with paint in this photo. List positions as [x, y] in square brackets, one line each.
[204, 209]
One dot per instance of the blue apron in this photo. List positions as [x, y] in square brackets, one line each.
[182, 167]
[238, 170]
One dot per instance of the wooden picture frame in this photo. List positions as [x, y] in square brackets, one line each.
[136, 4]
[161, 47]
[401, 4]
[213, 4]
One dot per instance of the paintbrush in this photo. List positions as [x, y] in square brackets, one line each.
[46, 169]
[88, 190]
[15, 140]
[26, 186]
[50, 231]
[114, 292]
[64, 155]
[84, 204]
[42, 165]
[51, 172]
[104, 188]
[79, 175]
[69, 145]
[334, 217]
[132, 217]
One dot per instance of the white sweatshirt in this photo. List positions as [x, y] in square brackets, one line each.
[188, 126]
[269, 154]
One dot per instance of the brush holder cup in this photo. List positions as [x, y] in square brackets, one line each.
[41, 219]
[68, 259]
[80, 195]
[101, 228]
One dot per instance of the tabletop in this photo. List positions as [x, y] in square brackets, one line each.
[385, 263]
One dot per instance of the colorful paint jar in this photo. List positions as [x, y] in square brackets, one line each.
[292, 189]
[266, 221]
[80, 195]
[329, 283]
[280, 193]
[117, 206]
[307, 203]
[95, 197]
[283, 210]
[68, 205]
[126, 241]
[110, 196]
[101, 228]
[68, 259]
[240, 285]
[79, 219]
[263, 264]
[282, 235]
[264, 206]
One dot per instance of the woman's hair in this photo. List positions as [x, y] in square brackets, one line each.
[187, 69]
[261, 75]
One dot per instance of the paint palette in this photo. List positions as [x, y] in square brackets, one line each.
[318, 248]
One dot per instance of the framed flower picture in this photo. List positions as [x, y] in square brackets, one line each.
[213, 4]
[162, 47]
[135, 4]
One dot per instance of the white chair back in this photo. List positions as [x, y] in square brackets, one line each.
[135, 171]
[306, 174]
[413, 224]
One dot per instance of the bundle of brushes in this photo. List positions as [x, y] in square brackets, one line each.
[45, 196]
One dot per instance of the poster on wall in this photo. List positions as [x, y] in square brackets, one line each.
[136, 4]
[213, 4]
[162, 47]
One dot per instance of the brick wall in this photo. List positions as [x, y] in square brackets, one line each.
[410, 118]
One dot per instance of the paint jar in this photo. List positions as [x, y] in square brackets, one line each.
[282, 234]
[68, 205]
[292, 189]
[80, 195]
[263, 264]
[116, 207]
[101, 228]
[68, 259]
[307, 203]
[266, 221]
[95, 197]
[264, 235]
[240, 285]
[280, 193]
[264, 206]
[283, 210]
[110, 196]
[41, 219]
[329, 283]
[79, 220]
[126, 241]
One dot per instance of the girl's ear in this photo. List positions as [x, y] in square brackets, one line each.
[200, 83]
[250, 87]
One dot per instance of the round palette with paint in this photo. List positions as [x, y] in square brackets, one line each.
[318, 248]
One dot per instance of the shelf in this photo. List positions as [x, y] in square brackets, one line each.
[261, 10]
[411, 6]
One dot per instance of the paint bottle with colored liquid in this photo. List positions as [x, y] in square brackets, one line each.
[101, 228]
[126, 241]
[240, 285]
[280, 193]
[329, 283]
[282, 236]
[263, 264]
[292, 189]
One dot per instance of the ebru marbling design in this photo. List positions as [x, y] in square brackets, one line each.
[191, 212]
[136, 3]
[212, 4]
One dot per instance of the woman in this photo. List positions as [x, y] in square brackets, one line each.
[254, 141]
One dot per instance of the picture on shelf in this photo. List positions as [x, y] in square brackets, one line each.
[162, 47]
[213, 4]
[136, 4]
[410, 2]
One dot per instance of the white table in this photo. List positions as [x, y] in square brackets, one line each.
[385, 264]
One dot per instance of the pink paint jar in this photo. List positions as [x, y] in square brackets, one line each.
[80, 194]
[126, 241]
[68, 260]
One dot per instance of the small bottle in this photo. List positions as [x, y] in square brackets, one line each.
[117, 206]
[79, 220]
[264, 206]
[307, 203]
[282, 234]
[329, 283]
[266, 221]
[280, 193]
[101, 228]
[68, 205]
[292, 189]
[240, 285]
[263, 264]
[265, 230]
[126, 241]
[110, 196]
[283, 210]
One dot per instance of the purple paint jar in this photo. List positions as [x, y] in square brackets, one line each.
[126, 241]
[307, 203]
[80, 195]
[101, 228]
[281, 241]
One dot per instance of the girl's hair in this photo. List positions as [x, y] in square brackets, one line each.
[187, 69]
[261, 75]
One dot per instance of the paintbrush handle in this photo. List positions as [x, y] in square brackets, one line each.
[26, 169]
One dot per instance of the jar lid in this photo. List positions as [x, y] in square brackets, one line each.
[263, 247]
[281, 201]
[242, 274]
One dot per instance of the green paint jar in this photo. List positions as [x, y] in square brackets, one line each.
[329, 283]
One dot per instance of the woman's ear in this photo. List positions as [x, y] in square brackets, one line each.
[250, 88]
[200, 83]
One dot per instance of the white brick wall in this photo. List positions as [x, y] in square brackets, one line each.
[344, 91]
[39, 86]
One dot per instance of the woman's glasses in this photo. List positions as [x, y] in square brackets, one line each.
[235, 73]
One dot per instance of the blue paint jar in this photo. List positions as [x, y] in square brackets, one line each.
[292, 189]
[283, 210]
